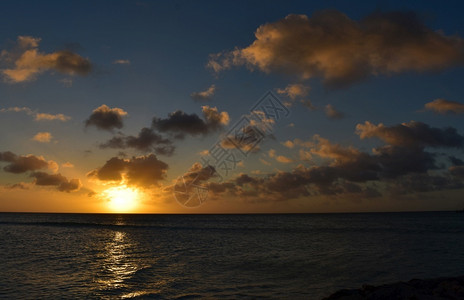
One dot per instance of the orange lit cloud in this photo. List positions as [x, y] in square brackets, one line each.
[37, 116]
[27, 61]
[342, 51]
[443, 106]
[42, 137]
[205, 95]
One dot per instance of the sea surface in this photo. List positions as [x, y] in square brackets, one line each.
[283, 256]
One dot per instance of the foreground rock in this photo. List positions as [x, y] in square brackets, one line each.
[417, 289]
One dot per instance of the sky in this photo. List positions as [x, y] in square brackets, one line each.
[231, 106]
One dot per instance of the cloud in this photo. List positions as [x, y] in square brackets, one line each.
[294, 91]
[19, 186]
[264, 162]
[248, 134]
[57, 180]
[399, 167]
[204, 96]
[106, 118]
[308, 104]
[67, 165]
[50, 117]
[67, 82]
[25, 62]
[180, 123]
[37, 116]
[283, 159]
[122, 62]
[342, 51]
[332, 113]
[23, 163]
[412, 134]
[443, 106]
[146, 141]
[141, 171]
[298, 142]
[42, 137]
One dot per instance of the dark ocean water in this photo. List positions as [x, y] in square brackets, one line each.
[302, 256]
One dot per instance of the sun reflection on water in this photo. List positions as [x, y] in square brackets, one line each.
[117, 266]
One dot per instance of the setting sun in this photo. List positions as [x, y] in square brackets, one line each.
[122, 198]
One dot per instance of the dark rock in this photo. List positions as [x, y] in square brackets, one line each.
[415, 289]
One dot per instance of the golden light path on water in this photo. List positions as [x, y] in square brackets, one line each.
[119, 267]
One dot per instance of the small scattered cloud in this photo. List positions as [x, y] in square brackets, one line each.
[308, 104]
[43, 137]
[25, 61]
[264, 162]
[37, 115]
[283, 159]
[271, 153]
[106, 118]
[294, 91]
[204, 152]
[443, 106]
[122, 62]
[67, 165]
[289, 144]
[280, 158]
[67, 82]
[332, 113]
[204, 96]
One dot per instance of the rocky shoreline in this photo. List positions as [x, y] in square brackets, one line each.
[417, 289]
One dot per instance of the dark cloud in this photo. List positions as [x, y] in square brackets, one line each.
[19, 185]
[421, 183]
[412, 134]
[332, 113]
[342, 51]
[111, 170]
[457, 171]
[106, 118]
[24, 163]
[247, 139]
[403, 166]
[25, 61]
[59, 181]
[180, 123]
[142, 171]
[146, 141]
[456, 161]
[443, 106]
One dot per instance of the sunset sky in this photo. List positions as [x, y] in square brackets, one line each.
[104, 106]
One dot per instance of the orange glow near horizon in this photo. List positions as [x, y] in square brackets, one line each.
[122, 199]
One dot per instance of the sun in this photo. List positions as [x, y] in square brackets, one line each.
[122, 198]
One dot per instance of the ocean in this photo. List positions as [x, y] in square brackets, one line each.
[281, 256]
